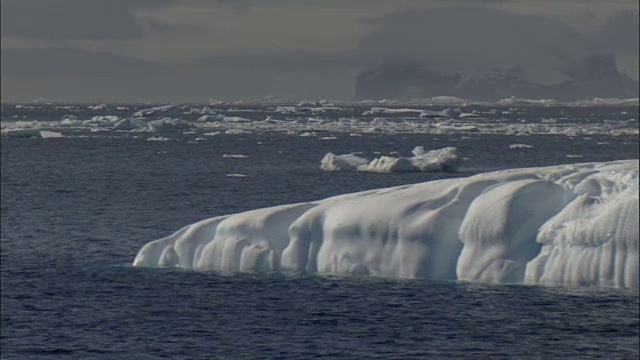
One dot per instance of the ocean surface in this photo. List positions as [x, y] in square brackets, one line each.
[77, 206]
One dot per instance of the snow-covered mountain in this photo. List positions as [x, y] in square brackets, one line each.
[486, 54]
[593, 76]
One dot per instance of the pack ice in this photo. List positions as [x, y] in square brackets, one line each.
[574, 225]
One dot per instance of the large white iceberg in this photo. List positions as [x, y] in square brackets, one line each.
[565, 225]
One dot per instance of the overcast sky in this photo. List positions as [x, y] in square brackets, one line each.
[170, 50]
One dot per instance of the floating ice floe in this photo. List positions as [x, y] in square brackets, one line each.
[573, 225]
[98, 107]
[50, 134]
[520, 146]
[346, 162]
[446, 159]
[158, 138]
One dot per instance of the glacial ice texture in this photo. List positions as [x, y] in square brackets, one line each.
[573, 225]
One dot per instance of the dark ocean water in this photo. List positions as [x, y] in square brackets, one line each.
[76, 210]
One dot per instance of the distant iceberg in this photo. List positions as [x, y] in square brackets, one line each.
[446, 159]
[574, 225]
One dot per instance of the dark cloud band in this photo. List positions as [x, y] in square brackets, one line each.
[74, 19]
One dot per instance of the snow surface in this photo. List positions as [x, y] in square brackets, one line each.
[574, 225]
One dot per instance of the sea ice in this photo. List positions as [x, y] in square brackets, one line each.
[569, 225]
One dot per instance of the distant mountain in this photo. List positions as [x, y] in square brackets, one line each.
[485, 54]
[593, 76]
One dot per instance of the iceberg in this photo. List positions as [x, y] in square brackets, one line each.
[346, 162]
[446, 159]
[569, 225]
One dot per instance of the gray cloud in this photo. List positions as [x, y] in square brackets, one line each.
[74, 19]
[466, 37]
[160, 27]
[621, 33]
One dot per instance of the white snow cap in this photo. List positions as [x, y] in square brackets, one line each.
[564, 225]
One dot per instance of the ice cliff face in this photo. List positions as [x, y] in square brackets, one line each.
[563, 225]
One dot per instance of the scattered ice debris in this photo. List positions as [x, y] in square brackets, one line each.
[518, 118]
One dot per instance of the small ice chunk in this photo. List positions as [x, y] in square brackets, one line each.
[520, 146]
[347, 162]
[158, 138]
[50, 134]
